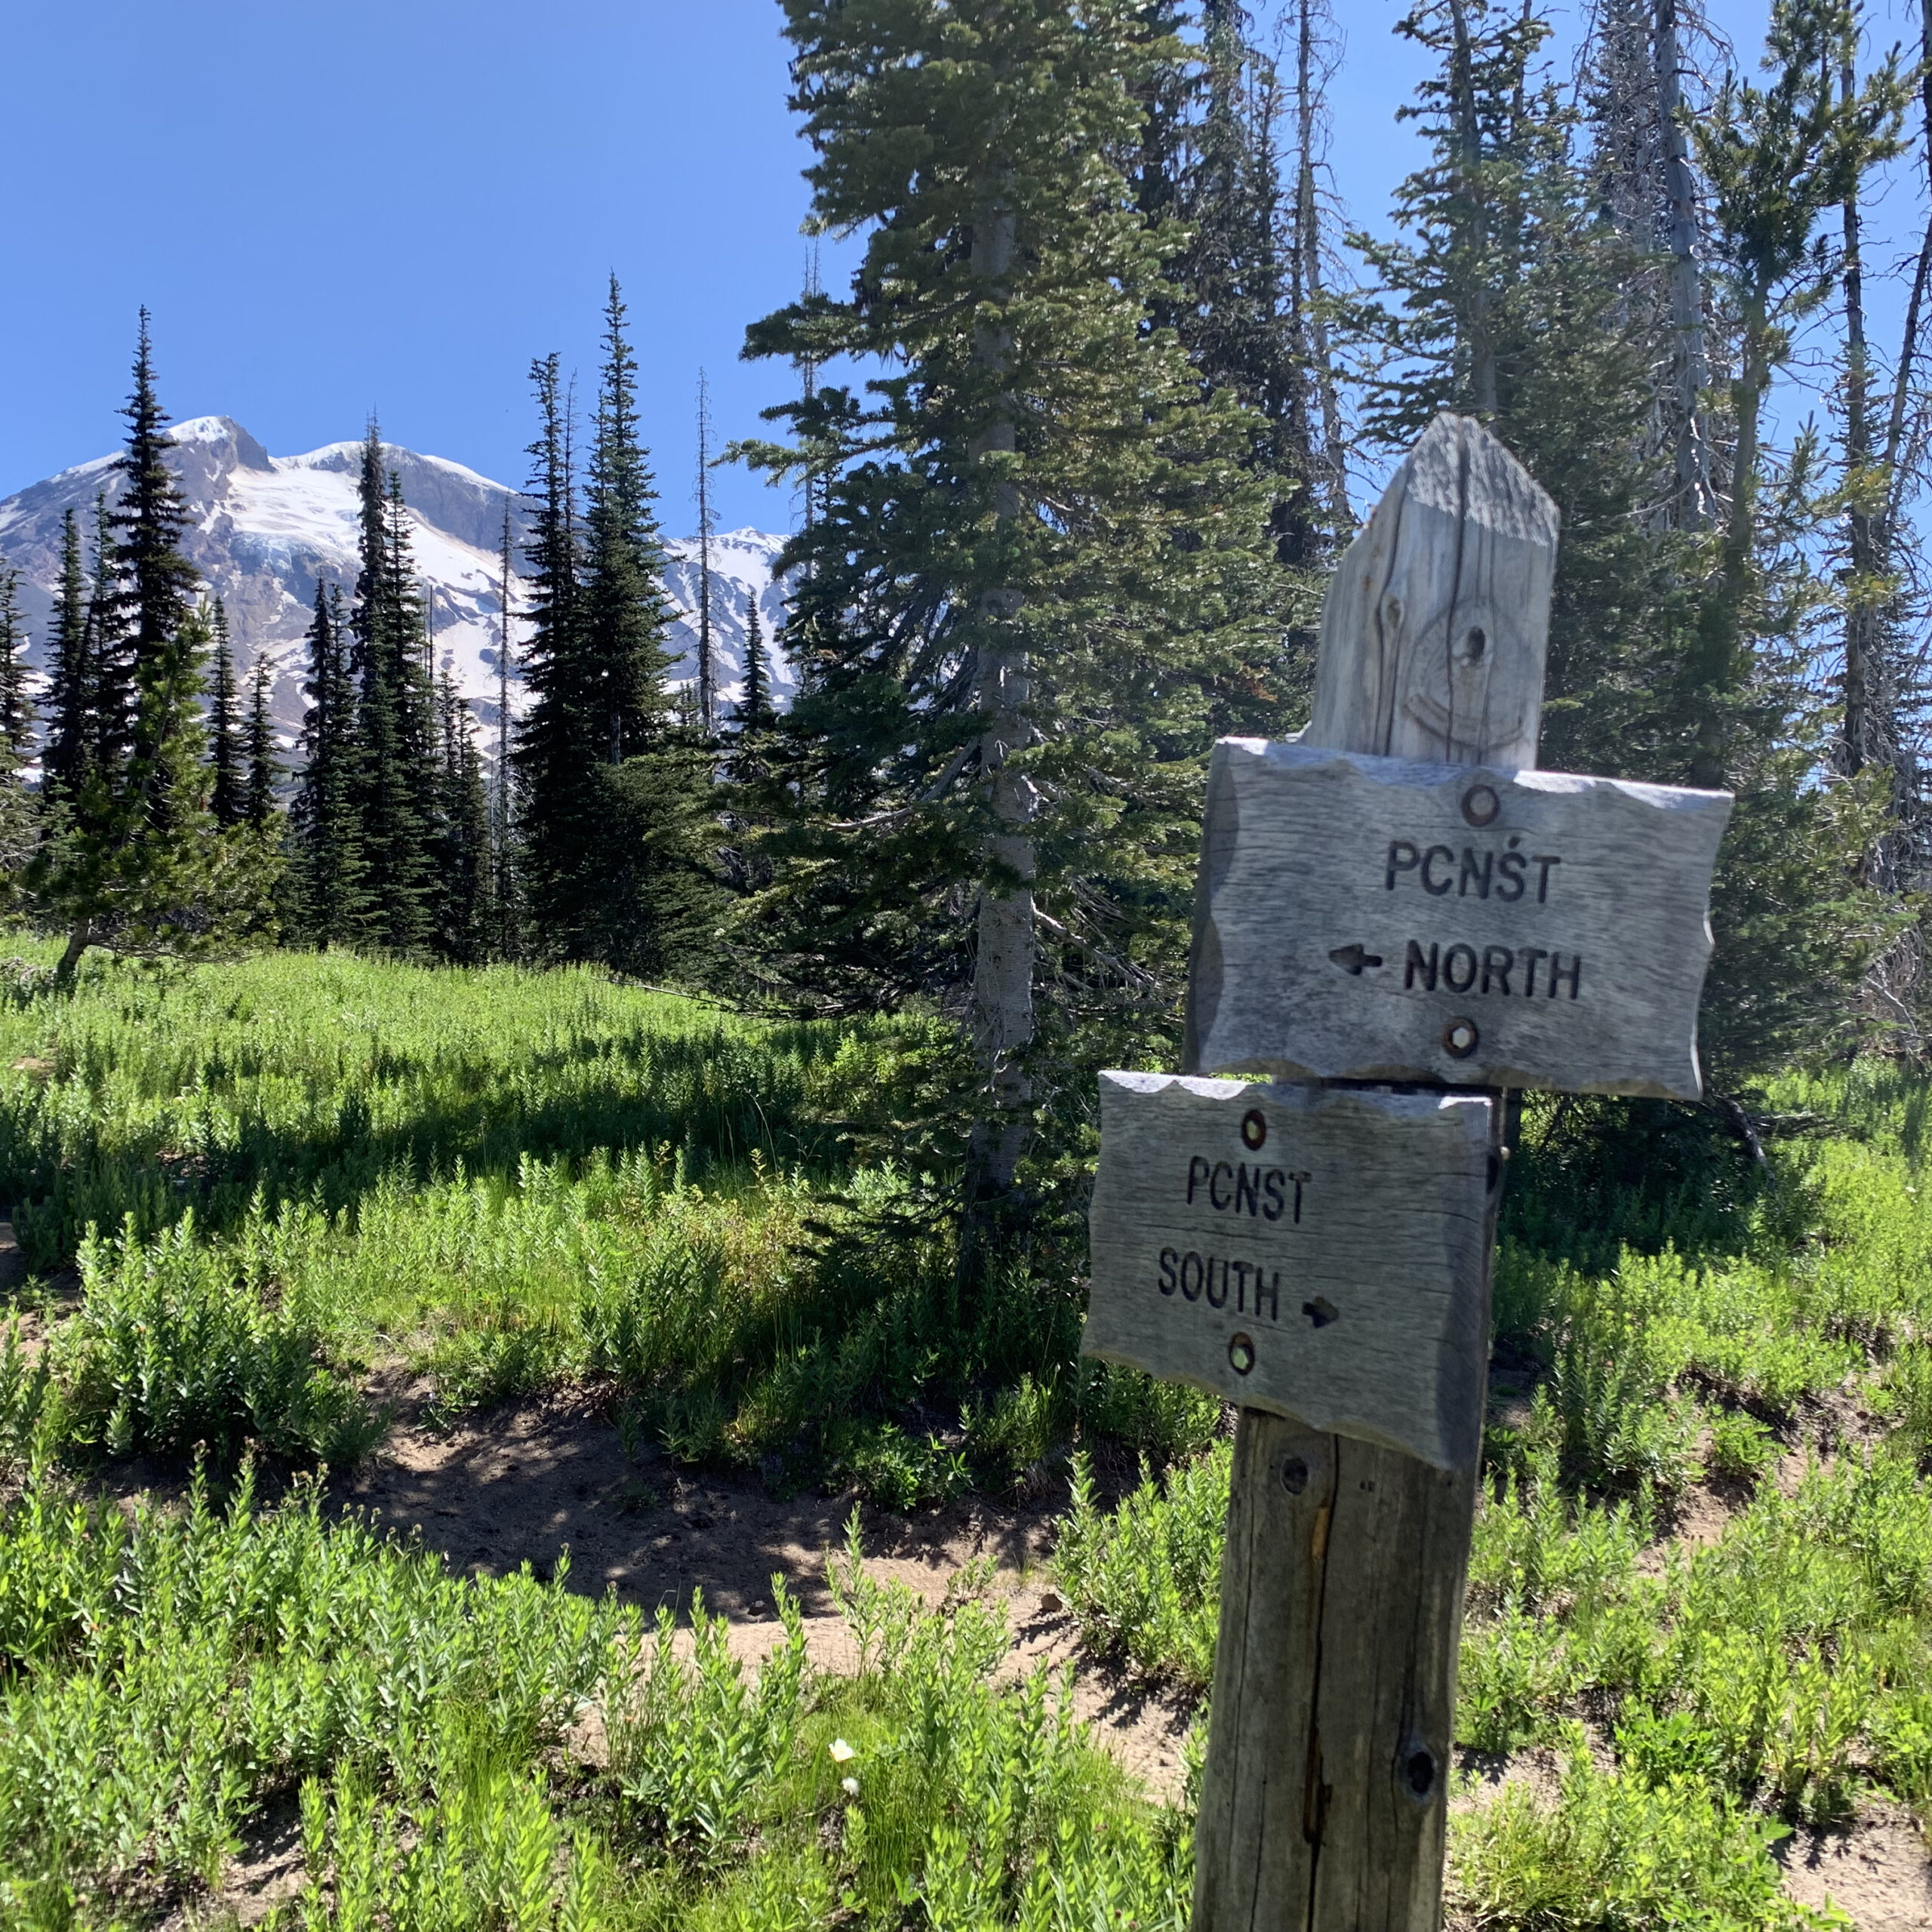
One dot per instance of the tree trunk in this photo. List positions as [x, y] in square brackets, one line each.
[1723, 622]
[79, 940]
[1863, 612]
[1689, 371]
[1308, 259]
[1477, 347]
[1003, 968]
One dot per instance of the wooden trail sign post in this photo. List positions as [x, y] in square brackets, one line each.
[1398, 896]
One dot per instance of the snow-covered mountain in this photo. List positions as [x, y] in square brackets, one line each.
[265, 528]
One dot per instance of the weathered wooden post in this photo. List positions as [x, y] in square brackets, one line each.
[1372, 911]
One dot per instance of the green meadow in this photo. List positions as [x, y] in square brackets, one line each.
[1700, 1603]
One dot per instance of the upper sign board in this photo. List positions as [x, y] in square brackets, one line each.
[1319, 1253]
[1377, 919]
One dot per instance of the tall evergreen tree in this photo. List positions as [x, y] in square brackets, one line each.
[612, 798]
[1882, 734]
[1020, 600]
[109, 655]
[225, 794]
[395, 769]
[264, 768]
[16, 713]
[136, 861]
[1778, 158]
[465, 914]
[19, 816]
[555, 764]
[415, 684]
[69, 697]
[755, 707]
[1527, 285]
[504, 885]
[329, 888]
[1502, 295]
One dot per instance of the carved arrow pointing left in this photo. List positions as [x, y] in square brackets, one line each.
[1353, 959]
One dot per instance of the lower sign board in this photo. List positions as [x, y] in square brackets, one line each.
[1377, 919]
[1318, 1253]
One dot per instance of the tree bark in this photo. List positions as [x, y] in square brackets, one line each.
[1308, 260]
[79, 940]
[1003, 967]
[1695, 503]
[1862, 610]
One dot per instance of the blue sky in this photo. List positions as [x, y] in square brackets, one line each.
[394, 204]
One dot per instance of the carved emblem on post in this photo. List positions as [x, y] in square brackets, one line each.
[1398, 896]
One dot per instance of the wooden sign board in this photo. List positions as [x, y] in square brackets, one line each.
[1381, 919]
[1318, 1254]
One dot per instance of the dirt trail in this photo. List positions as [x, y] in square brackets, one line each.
[525, 1484]
[1875, 1869]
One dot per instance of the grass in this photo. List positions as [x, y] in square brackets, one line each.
[272, 1175]
[246, 1188]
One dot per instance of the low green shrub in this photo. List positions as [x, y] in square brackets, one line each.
[1741, 1447]
[918, 1791]
[1616, 1852]
[173, 1670]
[175, 1349]
[1144, 1580]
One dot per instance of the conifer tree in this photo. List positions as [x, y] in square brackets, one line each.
[465, 915]
[109, 654]
[1501, 295]
[1880, 737]
[555, 764]
[329, 886]
[1527, 285]
[395, 768]
[16, 713]
[69, 698]
[612, 796]
[504, 884]
[225, 798]
[755, 706]
[19, 816]
[135, 861]
[1035, 561]
[263, 766]
[1778, 158]
[415, 684]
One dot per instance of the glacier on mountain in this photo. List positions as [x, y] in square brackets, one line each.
[265, 528]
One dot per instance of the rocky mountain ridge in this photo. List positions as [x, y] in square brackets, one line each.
[265, 528]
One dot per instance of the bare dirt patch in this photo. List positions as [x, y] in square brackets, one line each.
[526, 1483]
[1876, 1869]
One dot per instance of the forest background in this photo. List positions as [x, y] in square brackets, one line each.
[1075, 450]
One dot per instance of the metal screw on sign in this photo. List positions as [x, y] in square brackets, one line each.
[1480, 805]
